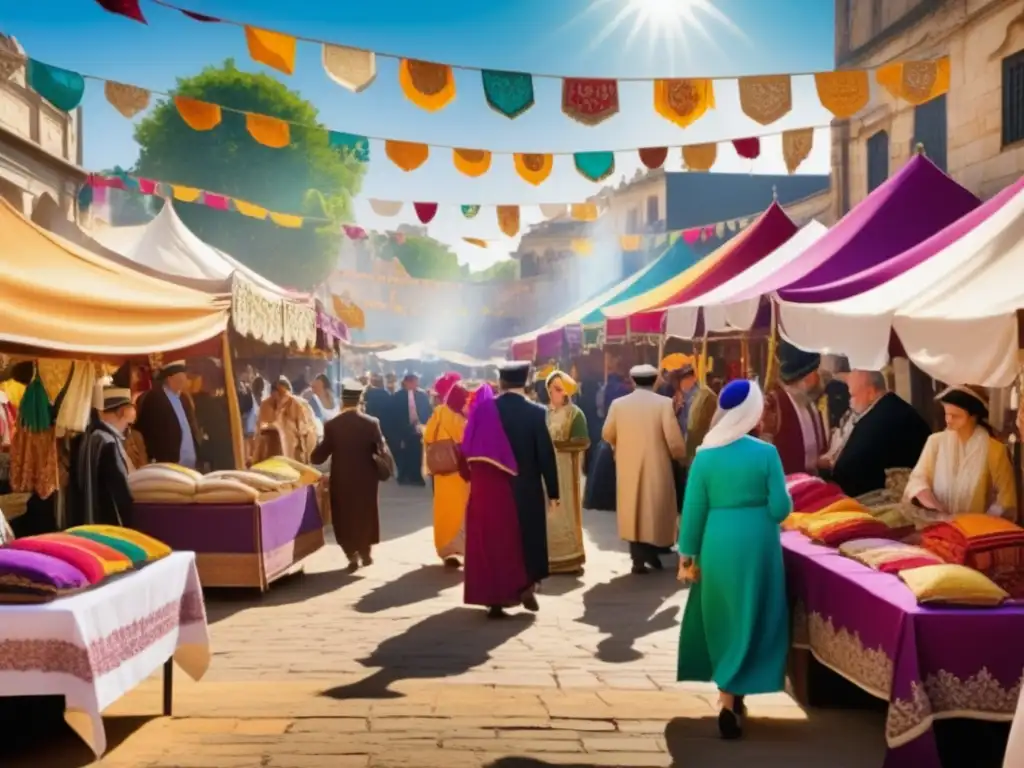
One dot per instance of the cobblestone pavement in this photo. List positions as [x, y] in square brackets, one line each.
[387, 668]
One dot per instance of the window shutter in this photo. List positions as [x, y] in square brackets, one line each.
[878, 160]
[930, 130]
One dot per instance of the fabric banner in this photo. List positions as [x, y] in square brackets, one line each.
[916, 82]
[251, 210]
[128, 8]
[385, 207]
[584, 211]
[349, 67]
[766, 98]
[406, 155]
[653, 157]
[582, 246]
[425, 212]
[683, 101]
[508, 93]
[268, 131]
[589, 101]
[508, 219]
[427, 85]
[274, 49]
[358, 146]
[552, 210]
[471, 162]
[534, 168]
[129, 100]
[796, 147]
[63, 88]
[286, 220]
[198, 115]
[185, 194]
[595, 166]
[843, 93]
[748, 149]
[630, 243]
[700, 157]
[470, 211]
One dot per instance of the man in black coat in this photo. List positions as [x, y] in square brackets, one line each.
[410, 412]
[882, 431]
[525, 425]
[100, 467]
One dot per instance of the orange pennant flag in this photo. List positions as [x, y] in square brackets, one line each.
[274, 49]
[268, 131]
[427, 85]
[198, 115]
[251, 210]
[407, 155]
[286, 220]
[534, 168]
[185, 194]
[471, 162]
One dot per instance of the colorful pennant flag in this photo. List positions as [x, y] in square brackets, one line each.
[476, 241]
[129, 100]
[128, 8]
[700, 157]
[508, 219]
[796, 147]
[425, 212]
[198, 115]
[385, 207]
[471, 162]
[349, 67]
[844, 93]
[595, 166]
[534, 169]
[653, 157]
[915, 81]
[274, 49]
[357, 146]
[683, 101]
[427, 85]
[589, 101]
[61, 87]
[766, 98]
[749, 149]
[407, 155]
[508, 93]
[268, 131]
[470, 211]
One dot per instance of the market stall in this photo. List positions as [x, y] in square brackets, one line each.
[93, 647]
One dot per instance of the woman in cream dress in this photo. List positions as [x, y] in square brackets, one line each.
[964, 469]
[568, 428]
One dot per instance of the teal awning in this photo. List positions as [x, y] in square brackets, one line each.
[678, 258]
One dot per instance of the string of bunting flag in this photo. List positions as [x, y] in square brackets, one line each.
[65, 89]
[589, 101]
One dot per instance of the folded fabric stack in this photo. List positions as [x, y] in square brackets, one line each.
[888, 556]
[38, 569]
[990, 545]
[164, 484]
[288, 471]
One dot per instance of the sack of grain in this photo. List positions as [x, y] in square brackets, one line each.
[308, 475]
[222, 490]
[162, 481]
[162, 497]
[262, 483]
[179, 469]
[278, 470]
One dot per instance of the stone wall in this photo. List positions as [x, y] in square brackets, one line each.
[976, 35]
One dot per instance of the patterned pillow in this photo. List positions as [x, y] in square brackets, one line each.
[988, 544]
[113, 561]
[839, 533]
[895, 551]
[821, 520]
[155, 550]
[32, 577]
[953, 584]
[87, 562]
[860, 546]
[135, 554]
[901, 564]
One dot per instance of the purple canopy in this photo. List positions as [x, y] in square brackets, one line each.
[484, 438]
[853, 256]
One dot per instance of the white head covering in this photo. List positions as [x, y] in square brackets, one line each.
[740, 407]
[643, 371]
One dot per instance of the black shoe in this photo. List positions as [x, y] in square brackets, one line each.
[655, 562]
[530, 602]
[451, 562]
[729, 725]
[353, 566]
[639, 569]
[741, 708]
[496, 612]
[367, 560]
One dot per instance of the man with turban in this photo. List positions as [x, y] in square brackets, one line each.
[792, 420]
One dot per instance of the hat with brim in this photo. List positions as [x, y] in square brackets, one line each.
[351, 392]
[514, 373]
[116, 397]
[966, 399]
[173, 368]
[796, 364]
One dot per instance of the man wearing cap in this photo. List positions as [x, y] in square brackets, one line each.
[525, 425]
[102, 466]
[792, 420]
[642, 429]
[350, 441]
[167, 418]
[410, 411]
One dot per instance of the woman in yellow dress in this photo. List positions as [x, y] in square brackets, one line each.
[451, 492]
[568, 428]
[964, 469]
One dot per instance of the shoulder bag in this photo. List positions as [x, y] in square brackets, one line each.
[442, 455]
[384, 461]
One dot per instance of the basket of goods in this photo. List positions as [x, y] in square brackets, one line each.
[164, 484]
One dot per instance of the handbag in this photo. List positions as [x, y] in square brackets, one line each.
[384, 461]
[442, 455]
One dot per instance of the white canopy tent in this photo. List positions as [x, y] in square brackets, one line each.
[954, 313]
[426, 352]
[733, 305]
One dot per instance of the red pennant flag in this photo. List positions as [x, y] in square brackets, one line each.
[653, 157]
[425, 212]
[147, 186]
[749, 149]
[353, 232]
[127, 8]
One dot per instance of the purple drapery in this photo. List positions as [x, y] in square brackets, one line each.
[484, 438]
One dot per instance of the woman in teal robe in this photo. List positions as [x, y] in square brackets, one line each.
[735, 629]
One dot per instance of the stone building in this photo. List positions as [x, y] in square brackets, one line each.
[975, 132]
[40, 146]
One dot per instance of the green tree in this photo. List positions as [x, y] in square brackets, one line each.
[502, 271]
[424, 258]
[308, 177]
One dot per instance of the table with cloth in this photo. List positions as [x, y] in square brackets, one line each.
[928, 663]
[95, 646]
[239, 545]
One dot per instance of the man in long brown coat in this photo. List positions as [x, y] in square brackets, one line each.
[351, 439]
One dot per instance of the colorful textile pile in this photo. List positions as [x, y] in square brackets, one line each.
[38, 569]
[990, 545]
[888, 556]
[828, 516]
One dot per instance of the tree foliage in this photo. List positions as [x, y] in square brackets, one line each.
[308, 177]
[424, 258]
[502, 271]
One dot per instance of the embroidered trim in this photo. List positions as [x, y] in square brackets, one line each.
[106, 654]
[871, 669]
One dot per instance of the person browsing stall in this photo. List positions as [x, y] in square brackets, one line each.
[103, 465]
[167, 418]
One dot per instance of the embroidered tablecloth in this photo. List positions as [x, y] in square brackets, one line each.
[928, 663]
[94, 647]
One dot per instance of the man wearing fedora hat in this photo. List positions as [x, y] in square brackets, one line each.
[792, 419]
[167, 418]
[102, 465]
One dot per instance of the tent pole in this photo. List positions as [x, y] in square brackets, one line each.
[234, 411]
[773, 341]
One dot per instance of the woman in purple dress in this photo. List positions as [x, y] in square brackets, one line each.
[495, 569]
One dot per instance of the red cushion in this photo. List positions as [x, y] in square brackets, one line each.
[904, 563]
[82, 559]
[840, 533]
[98, 549]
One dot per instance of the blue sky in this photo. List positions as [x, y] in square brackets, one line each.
[564, 37]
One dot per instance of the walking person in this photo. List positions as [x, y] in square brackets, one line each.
[735, 629]
[351, 442]
[645, 436]
[442, 438]
[568, 429]
[411, 410]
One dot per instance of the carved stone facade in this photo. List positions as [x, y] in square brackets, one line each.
[40, 146]
[976, 130]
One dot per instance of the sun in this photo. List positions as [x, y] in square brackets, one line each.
[668, 23]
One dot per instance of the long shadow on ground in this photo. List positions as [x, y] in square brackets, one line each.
[425, 583]
[294, 588]
[444, 645]
[627, 609]
[34, 741]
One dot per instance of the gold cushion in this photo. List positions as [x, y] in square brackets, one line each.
[952, 584]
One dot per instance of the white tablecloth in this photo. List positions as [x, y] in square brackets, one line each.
[94, 647]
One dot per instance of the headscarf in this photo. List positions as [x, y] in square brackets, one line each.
[568, 382]
[740, 407]
[457, 398]
[444, 384]
[485, 439]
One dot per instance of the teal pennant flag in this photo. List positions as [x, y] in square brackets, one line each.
[61, 87]
[470, 211]
[359, 146]
[595, 166]
[508, 93]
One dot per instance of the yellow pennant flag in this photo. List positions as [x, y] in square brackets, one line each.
[286, 220]
[185, 194]
[274, 49]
